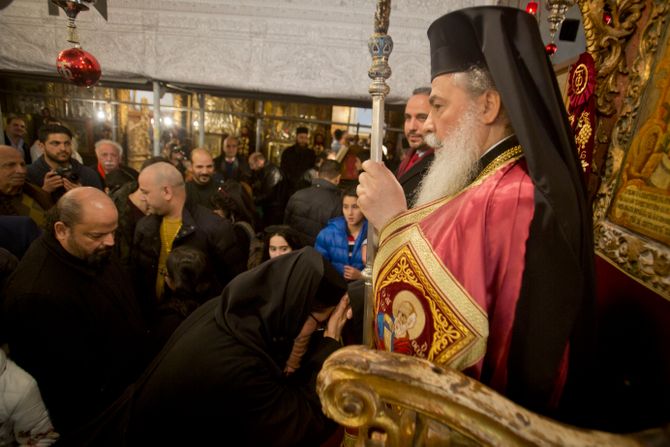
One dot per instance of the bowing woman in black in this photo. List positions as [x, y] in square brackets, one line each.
[241, 370]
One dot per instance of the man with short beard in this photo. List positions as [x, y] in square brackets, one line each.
[296, 160]
[205, 182]
[420, 155]
[71, 317]
[56, 172]
[497, 257]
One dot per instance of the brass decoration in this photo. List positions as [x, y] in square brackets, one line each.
[399, 400]
[643, 259]
[607, 43]
[138, 131]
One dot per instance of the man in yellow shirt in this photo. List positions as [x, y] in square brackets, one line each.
[173, 221]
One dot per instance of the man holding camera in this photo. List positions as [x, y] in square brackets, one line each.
[56, 171]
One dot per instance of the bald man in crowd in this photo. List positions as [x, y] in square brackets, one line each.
[174, 222]
[71, 318]
[205, 182]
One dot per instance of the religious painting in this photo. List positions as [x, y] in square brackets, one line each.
[632, 210]
[213, 143]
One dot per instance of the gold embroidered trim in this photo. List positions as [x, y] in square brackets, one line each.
[460, 324]
[512, 153]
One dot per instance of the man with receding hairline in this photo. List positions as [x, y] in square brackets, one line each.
[230, 164]
[17, 196]
[173, 222]
[15, 137]
[71, 315]
[205, 182]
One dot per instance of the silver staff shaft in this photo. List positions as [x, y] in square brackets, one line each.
[380, 45]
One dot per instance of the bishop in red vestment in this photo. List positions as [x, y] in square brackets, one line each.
[492, 271]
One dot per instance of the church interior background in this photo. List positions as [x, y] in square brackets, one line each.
[260, 69]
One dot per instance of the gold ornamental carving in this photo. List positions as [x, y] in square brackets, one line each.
[395, 400]
[645, 260]
[607, 44]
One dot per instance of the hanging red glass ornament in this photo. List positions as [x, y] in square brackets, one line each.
[79, 67]
[76, 65]
[531, 8]
[551, 49]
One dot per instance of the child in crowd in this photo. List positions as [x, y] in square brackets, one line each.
[279, 240]
[341, 241]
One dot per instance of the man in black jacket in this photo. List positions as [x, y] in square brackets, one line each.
[56, 171]
[309, 209]
[70, 315]
[269, 189]
[296, 160]
[173, 222]
[205, 182]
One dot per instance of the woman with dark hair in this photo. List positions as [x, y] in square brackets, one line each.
[279, 240]
[242, 368]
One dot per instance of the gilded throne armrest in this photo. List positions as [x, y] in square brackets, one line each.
[398, 400]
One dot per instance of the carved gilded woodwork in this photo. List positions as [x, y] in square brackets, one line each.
[607, 43]
[644, 259]
[399, 400]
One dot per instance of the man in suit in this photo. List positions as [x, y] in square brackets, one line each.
[15, 134]
[420, 155]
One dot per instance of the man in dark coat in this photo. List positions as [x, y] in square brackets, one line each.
[268, 187]
[56, 171]
[296, 160]
[420, 155]
[205, 182]
[109, 155]
[243, 366]
[14, 137]
[230, 164]
[175, 222]
[309, 209]
[70, 315]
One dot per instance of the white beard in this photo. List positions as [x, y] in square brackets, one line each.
[456, 160]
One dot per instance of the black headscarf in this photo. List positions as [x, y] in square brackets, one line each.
[556, 301]
[265, 308]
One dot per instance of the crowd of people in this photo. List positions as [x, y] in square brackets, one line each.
[102, 263]
[198, 298]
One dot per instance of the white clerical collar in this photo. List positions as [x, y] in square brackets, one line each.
[496, 144]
